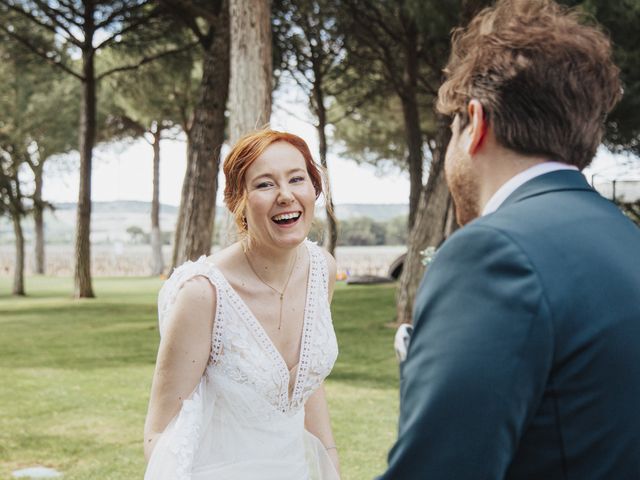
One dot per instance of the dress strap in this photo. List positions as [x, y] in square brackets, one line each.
[321, 267]
[169, 292]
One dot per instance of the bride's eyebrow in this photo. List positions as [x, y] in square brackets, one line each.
[260, 175]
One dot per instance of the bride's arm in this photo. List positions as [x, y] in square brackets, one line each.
[317, 422]
[182, 356]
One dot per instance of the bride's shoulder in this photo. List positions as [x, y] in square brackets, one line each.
[331, 267]
[326, 256]
[187, 302]
[331, 263]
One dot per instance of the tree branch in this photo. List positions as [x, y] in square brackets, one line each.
[72, 8]
[145, 60]
[376, 20]
[120, 12]
[427, 86]
[53, 15]
[40, 53]
[128, 28]
[40, 23]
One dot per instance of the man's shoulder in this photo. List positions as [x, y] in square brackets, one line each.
[480, 234]
[473, 249]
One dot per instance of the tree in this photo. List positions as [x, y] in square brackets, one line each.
[623, 133]
[52, 114]
[362, 231]
[405, 45]
[435, 220]
[312, 48]
[136, 234]
[208, 21]
[396, 231]
[148, 105]
[34, 127]
[385, 39]
[11, 204]
[88, 26]
[620, 20]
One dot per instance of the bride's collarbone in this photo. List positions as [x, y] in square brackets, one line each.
[264, 305]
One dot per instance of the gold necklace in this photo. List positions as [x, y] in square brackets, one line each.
[284, 289]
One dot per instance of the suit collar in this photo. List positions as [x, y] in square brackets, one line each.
[560, 180]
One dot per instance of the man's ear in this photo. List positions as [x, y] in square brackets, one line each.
[477, 126]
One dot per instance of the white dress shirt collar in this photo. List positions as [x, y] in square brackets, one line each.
[521, 178]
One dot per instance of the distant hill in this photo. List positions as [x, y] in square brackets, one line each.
[110, 220]
[130, 206]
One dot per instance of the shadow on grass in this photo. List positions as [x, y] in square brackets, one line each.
[63, 333]
[366, 358]
[78, 335]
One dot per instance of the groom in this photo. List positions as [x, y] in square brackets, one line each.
[525, 358]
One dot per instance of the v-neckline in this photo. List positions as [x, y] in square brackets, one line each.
[285, 371]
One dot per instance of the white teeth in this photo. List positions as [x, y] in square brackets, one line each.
[286, 216]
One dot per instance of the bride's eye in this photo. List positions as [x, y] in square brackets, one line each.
[297, 179]
[263, 185]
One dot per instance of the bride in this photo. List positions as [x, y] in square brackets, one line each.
[246, 335]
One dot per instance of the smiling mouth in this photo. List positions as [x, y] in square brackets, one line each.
[286, 218]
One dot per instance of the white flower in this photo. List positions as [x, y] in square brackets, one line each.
[428, 254]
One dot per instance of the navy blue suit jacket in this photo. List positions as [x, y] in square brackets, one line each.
[525, 358]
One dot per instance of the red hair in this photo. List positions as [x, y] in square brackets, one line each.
[245, 152]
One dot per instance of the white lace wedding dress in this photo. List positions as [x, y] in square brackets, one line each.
[241, 423]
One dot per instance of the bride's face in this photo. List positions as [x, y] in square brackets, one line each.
[280, 197]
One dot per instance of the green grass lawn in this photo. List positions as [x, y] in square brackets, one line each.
[75, 377]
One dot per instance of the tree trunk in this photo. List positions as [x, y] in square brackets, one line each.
[332, 228]
[87, 131]
[433, 220]
[184, 195]
[251, 67]
[38, 214]
[251, 84]
[18, 272]
[157, 261]
[207, 136]
[412, 127]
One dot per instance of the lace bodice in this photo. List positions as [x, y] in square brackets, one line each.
[241, 349]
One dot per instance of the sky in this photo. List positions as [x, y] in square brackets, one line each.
[123, 171]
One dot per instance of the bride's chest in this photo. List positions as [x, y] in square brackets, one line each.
[248, 356]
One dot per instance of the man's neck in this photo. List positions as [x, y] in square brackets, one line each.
[519, 179]
[499, 170]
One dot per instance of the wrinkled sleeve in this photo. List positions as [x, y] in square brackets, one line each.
[477, 364]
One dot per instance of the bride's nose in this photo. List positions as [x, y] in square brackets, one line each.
[285, 197]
